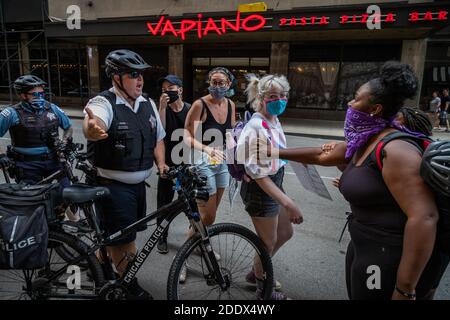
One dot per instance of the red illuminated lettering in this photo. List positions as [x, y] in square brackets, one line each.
[262, 22]
[293, 22]
[344, 19]
[168, 27]
[303, 21]
[283, 21]
[428, 16]
[414, 16]
[323, 20]
[155, 30]
[199, 26]
[365, 16]
[234, 27]
[442, 15]
[211, 26]
[390, 17]
[186, 25]
[313, 19]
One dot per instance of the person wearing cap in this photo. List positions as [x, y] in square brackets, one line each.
[125, 137]
[33, 124]
[172, 111]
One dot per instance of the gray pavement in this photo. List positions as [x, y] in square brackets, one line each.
[309, 266]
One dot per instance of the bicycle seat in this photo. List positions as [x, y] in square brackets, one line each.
[80, 193]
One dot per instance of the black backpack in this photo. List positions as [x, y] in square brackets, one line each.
[442, 202]
[24, 215]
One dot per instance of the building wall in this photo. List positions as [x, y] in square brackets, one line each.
[132, 8]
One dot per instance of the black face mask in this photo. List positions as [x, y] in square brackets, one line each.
[173, 96]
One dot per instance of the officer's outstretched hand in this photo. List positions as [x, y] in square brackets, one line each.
[95, 132]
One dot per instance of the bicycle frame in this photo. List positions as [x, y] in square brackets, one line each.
[169, 212]
[185, 203]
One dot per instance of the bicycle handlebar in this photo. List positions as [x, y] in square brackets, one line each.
[190, 181]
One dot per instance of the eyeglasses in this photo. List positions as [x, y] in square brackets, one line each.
[135, 74]
[281, 95]
[220, 84]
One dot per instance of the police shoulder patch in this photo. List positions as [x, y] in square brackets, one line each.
[6, 113]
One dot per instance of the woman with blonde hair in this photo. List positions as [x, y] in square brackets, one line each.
[271, 210]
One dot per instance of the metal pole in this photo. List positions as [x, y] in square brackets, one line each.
[49, 81]
[79, 73]
[59, 72]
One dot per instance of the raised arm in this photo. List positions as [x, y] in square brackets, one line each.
[315, 155]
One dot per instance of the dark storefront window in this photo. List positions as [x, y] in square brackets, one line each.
[327, 77]
[352, 76]
[68, 70]
[313, 84]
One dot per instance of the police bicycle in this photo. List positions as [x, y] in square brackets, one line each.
[210, 277]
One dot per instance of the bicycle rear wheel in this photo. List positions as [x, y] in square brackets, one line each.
[52, 281]
[237, 247]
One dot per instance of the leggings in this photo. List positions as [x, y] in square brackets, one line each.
[362, 280]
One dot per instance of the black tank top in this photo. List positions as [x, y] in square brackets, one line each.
[372, 204]
[174, 121]
[211, 123]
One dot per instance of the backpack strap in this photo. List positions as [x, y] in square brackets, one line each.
[378, 154]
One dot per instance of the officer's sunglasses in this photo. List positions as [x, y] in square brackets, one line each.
[36, 94]
[134, 74]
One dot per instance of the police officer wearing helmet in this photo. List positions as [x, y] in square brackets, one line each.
[33, 124]
[125, 136]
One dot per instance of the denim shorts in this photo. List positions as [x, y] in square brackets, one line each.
[217, 174]
[257, 202]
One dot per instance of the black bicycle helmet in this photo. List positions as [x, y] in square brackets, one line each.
[122, 61]
[25, 83]
[435, 167]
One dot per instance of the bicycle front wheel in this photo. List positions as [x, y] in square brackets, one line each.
[236, 249]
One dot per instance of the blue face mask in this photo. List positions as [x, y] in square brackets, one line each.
[276, 106]
[217, 92]
[38, 101]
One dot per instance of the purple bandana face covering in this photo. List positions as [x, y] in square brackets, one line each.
[360, 127]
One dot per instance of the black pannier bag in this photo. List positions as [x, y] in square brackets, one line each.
[24, 215]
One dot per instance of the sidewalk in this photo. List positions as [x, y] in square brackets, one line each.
[323, 129]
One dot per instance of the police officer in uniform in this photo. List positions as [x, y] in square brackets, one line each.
[125, 135]
[33, 124]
